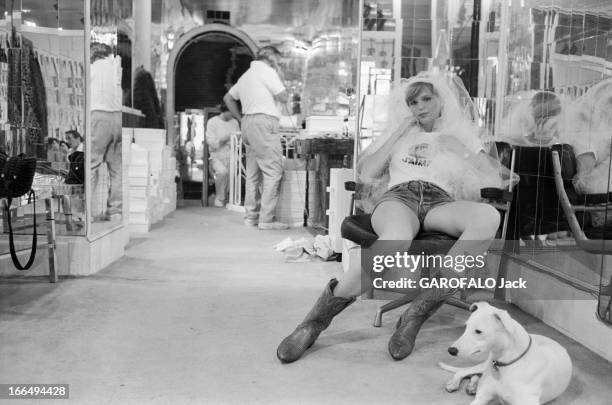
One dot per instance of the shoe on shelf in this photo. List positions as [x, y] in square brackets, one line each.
[273, 226]
[251, 222]
[218, 203]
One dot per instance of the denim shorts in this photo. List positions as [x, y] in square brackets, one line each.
[419, 196]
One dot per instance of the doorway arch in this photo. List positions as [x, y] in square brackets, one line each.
[181, 44]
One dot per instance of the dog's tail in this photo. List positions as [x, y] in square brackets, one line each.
[447, 367]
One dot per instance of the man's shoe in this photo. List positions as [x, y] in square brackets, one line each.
[273, 226]
[251, 222]
[218, 203]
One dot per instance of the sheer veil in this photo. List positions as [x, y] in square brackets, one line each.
[589, 129]
[534, 118]
[589, 122]
[458, 118]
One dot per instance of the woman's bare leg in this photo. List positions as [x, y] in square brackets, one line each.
[392, 221]
[475, 224]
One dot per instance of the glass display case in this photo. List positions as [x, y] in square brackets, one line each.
[47, 111]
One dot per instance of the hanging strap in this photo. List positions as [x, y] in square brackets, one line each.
[34, 236]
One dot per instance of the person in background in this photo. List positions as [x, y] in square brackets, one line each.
[76, 177]
[64, 151]
[588, 131]
[53, 150]
[75, 141]
[219, 130]
[106, 132]
[76, 158]
[258, 89]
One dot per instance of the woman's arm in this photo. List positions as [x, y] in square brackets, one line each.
[372, 166]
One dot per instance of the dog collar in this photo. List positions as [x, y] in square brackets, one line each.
[498, 364]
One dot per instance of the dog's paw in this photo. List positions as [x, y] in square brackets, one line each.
[453, 384]
[472, 385]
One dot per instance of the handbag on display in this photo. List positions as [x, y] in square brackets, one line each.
[16, 177]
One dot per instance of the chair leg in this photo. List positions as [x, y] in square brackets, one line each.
[406, 299]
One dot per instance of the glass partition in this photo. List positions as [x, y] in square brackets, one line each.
[400, 38]
[105, 81]
[557, 88]
[557, 96]
[42, 105]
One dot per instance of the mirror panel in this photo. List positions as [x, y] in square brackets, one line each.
[557, 88]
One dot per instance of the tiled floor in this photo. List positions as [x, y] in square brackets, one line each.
[193, 314]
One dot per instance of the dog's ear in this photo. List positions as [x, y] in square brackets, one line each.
[504, 318]
[473, 307]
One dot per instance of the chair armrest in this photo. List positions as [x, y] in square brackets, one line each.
[590, 199]
[350, 185]
[598, 246]
[496, 194]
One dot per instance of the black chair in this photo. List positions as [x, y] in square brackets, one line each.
[536, 209]
[358, 229]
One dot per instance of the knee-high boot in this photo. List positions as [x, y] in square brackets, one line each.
[317, 320]
[409, 324]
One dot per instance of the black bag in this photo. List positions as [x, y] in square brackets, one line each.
[16, 177]
[76, 174]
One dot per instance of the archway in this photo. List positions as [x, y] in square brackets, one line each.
[179, 47]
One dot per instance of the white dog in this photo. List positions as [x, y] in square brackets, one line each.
[521, 369]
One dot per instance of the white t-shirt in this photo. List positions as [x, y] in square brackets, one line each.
[594, 140]
[416, 153]
[256, 89]
[106, 93]
[218, 133]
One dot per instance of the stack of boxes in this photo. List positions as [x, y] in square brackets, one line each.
[152, 188]
[168, 183]
[138, 190]
[291, 203]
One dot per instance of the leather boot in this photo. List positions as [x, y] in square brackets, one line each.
[317, 320]
[409, 324]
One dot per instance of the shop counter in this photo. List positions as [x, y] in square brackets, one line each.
[328, 153]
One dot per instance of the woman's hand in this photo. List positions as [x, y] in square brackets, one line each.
[371, 166]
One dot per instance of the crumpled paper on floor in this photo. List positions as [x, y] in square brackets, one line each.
[305, 250]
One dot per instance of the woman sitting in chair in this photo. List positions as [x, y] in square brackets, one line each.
[588, 132]
[432, 155]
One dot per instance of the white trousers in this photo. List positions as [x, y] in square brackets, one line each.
[220, 168]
